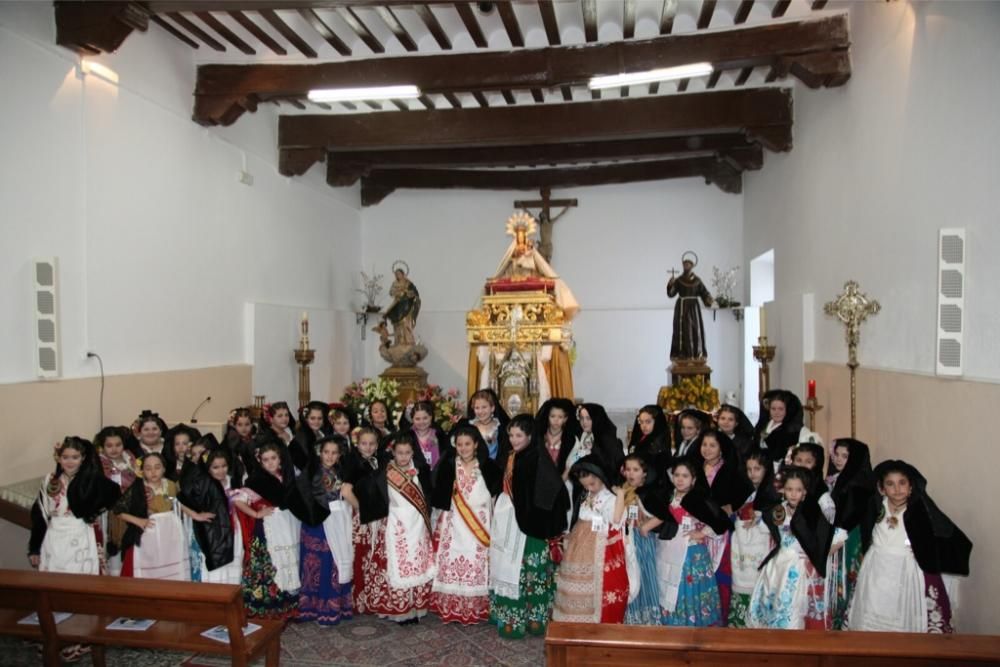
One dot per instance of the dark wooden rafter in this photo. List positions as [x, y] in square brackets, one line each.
[427, 16]
[163, 23]
[361, 30]
[250, 26]
[818, 4]
[551, 25]
[742, 12]
[713, 79]
[510, 24]
[325, 31]
[97, 27]
[705, 16]
[628, 19]
[286, 31]
[589, 9]
[399, 32]
[743, 76]
[765, 113]
[813, 49]
[480, 98]
[666, 27]
[218, 26]
[381, 182]
[471, 23]
[186, 23]
[345, 167]
[779, 9]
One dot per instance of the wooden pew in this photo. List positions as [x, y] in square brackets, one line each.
[587, 645]
[182, 610]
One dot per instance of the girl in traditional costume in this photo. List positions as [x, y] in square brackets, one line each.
[361, 462]
[556, 430]
[909, 543]
[465, 484]
[592, 583]
[779, 425]
[721, 470]
[240, 441]
[176, 449]
[400, 566]
[270, 536]
[277, 418]
[490, 419]
[313, 426]
[598, 438]
[376, 416]
[689, 594]
[119, 466]
[205, 487]
[340, 422]
[646, 509]
[433, 442]
[751, 538]
[790, 590]
[651, 438]
[155, 545]
[738, 428]
[148, 430]
[529, 519]
[852, 488]
[327, 552]
[691, 424]
[64, 534]
[811, 456]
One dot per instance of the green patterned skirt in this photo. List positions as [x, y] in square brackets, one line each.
[529, 614]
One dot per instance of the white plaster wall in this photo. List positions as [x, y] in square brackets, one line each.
[908, 146]
[160, 248]
[613, 251]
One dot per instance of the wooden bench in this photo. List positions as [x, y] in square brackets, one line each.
[182, 610]
[587, 645]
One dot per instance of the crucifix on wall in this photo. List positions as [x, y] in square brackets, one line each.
[545, 217]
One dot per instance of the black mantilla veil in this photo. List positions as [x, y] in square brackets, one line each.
[818, 487]
[169, 456]
[443, 478]
[655, 493]
[591, 465]
[939, 545]
[237, 471]
[813, 532]
[307, 497]
[200, 492]
[607, 447]
[89, 492]
[702, 419]
[767, 496]
[266, 485]
[267, 416]
[541, 501]
[570, 431]
[855, 487]
[731, 485]
[656, 445]
[743, 435]
[786, 435]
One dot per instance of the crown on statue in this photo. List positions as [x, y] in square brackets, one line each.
[521, 222]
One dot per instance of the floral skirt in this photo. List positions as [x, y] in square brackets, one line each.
[322, 598]
[843, 570]
[592, 584]
[739, 605]
[396, 604]
[698, 595]
[645, 608]
[528, 614]
[261, 594]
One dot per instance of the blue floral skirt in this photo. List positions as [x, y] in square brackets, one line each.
[698, 596]
[321, 598]
[645, 608]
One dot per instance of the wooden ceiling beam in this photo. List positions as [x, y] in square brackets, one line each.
[397, 29]
[381, 182]
[779, 9]
[218, 26]
[510, 24]
[286, 31]
[163, 23]
[250, 26]
[766, 111]
[89, 28]
[345, 167]
[186, 23]
[433, 25]
[550, 23]
[666, 27]
[325, 31]
[361, 30]
[589, 8]
[471, 23]
[743, 12]
[705, 17]
[162, 6]
[628, 19]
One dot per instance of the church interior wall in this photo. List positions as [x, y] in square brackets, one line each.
[613, 250]
[907, 147]
[167, 263]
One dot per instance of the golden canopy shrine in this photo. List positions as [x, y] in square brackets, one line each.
[521, 334]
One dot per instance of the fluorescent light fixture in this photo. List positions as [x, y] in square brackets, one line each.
[99, 70]
[361, 94]
[650, 76]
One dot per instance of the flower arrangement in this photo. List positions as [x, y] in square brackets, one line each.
[691, 392]
[371, 288]
[725, 287]
[448, 407]
[359, 395]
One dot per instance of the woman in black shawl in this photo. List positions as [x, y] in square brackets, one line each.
[651, 438]
[909, 543]
[556, 431]
[204, 489]
[691, 423]
[490, 419]
[720, 469]
[313, 425]
[530, 518]
[779, 424]
[177, 445]
[738, 427]
[599, 438]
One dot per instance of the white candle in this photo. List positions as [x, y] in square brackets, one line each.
[305, 316]
[763, 322]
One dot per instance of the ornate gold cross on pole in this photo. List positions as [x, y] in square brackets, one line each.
[852, 308]
[545, 217]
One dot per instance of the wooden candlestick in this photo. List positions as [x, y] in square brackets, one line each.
[764, 354]
[304, 356]
[812, 406]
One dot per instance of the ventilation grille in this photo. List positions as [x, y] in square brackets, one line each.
[46, 300]
[951, 301]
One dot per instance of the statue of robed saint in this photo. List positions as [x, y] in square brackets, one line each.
[688, 342]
